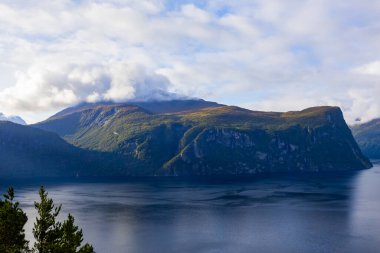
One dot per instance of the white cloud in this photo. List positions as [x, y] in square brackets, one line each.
[45, 87]
[272, 55]
[372, 68]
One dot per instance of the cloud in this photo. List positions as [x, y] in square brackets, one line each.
[270, 55]
[372, 68]
[44, 87]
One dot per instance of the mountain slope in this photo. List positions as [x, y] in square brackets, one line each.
[212, 139]
[368, 137]
[29, 152]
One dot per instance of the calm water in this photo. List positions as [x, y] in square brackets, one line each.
[324, 214]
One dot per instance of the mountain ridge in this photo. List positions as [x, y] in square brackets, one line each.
[176, 105]
[212, 139]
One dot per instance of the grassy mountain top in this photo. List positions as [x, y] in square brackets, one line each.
[236, 117]
[157, 107]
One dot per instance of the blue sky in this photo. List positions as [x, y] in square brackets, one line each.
[272, 55]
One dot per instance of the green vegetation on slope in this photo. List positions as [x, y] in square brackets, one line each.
[104, 128]
[212, 140]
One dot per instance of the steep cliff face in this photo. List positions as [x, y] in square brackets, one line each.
[214, 140]
[221, 151]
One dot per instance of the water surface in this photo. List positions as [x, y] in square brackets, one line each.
[331, 213]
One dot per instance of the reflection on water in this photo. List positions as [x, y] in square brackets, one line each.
[339, 213]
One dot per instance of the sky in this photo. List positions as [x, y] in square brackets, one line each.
[271, 55]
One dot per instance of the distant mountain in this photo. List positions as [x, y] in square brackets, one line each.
[368, 137]
[196, 137]
[14, 119]
[30, 152]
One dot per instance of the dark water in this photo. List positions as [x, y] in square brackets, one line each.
[338, 213]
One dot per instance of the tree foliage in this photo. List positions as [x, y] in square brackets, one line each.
[51, 235]
[12, 221]
[72, 238]
[46, 230]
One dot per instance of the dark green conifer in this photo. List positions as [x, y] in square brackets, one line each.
[72, 238]
[55, 237]
[46, 231]
[12, 222]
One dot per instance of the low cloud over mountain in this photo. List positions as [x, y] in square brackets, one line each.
[43, 87]
[12, 118]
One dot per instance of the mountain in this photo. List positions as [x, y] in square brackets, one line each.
[196, 137]
[31, 152]
[14, 119]
[368, 137]
[170, 106]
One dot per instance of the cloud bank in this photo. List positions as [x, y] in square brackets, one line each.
[264, 55]
[42, 87]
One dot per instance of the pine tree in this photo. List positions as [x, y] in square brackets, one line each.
[46, 231]
[12, 222]
[55, 237]
[72, 238]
